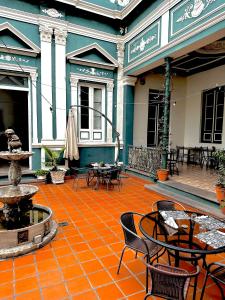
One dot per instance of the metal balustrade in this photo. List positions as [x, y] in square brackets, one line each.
[144, 159]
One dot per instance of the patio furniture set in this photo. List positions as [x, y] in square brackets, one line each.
[183, 236]
[96, 174]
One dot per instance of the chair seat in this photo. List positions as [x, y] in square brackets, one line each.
[153, 248]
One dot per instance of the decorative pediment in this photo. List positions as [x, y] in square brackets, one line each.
[13, 41]
[93, 55]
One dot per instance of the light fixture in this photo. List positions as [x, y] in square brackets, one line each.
[174, 103]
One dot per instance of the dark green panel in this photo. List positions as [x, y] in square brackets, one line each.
[187, 15]
[16, 59]
[86, 70]
[7, 38]
[36, 158]
[94, 55]
[128, 119]
[96, 154]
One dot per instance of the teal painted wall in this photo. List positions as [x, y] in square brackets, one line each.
[186, 43]
[96, 154]
[75, 42]
[29, 30]
[26, 6]
[128, 117]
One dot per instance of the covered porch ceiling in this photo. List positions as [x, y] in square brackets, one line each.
[201, 59]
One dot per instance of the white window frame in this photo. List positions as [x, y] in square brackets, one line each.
[91, 134]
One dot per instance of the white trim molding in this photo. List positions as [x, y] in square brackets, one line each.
[34, 76]
[129, 80]
[33, 51]
[46, 80]
[60, 82]
[74, 81]
[91, 47]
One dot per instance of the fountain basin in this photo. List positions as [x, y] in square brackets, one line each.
[15, 155]
[14, 194]
[23, 240]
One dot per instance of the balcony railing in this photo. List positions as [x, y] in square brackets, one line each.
[144, 159]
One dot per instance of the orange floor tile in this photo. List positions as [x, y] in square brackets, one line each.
[81, 262]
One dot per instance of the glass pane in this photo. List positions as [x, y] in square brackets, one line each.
[210, 99]
[219, 111]
[220, 97]
[97, 105]
[209, 112]
[219, 125]
[151, 139]
[14, 81]
[208, 124]
[84, 100]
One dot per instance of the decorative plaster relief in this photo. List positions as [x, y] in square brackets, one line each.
[60, 36]
[93, 72]
[110, 86]
[46, 33]
[120, 2]
[189, 12]
[194, 10]
[52, 12]
[10, 58]
[144, 42]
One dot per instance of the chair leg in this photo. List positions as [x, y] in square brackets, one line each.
[204, 283]
[147, 261]
[121, 257]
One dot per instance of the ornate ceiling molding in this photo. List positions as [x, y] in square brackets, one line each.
[217, 47]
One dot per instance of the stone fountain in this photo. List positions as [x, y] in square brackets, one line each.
[23, 225]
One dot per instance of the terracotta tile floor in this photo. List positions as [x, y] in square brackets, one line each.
[81, 261]
[195, 176]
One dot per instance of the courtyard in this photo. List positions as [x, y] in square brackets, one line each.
[82, 260]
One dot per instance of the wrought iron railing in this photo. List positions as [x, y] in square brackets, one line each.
[145, 159]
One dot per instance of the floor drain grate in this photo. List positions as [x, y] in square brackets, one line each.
[63, 224]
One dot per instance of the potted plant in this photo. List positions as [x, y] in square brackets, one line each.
[53, 157]
[41, 174]
[222, 206]
[219, 155]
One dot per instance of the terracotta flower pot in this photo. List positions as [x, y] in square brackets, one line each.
[222, 208]
[220, 193]
[162, 174]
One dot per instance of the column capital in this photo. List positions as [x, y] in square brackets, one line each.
[120, 53]
[110, 86]
[74, 81]
[46, 33]
[60, 36]
[34, 76]
[129, 80]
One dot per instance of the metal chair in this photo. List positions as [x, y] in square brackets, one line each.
[112, 176]
[135, 242]
[167, 205]
[171, 282]
[216, 271]
[80, 173]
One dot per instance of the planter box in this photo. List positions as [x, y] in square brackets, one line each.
[57, 176]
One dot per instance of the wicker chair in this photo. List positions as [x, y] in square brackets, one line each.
[138, 244]
[112, 177]
[167, 205]
[170, 282]
[216, 271]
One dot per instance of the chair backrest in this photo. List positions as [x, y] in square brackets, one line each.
[167, 205]
[170, 282]
[130, 233]
[114, 173]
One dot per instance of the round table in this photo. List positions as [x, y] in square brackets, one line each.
[182, 242]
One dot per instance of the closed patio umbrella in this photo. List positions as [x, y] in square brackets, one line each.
[71, 149]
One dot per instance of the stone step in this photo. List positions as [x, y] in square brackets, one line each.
[209, 207]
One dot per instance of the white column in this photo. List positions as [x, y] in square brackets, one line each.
[34, 76]
[165, 29]
[46, 80]
[110, 87]
[120, 100]
[74, 95]
[60, 82]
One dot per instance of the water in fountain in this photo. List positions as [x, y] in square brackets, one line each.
[18, 212]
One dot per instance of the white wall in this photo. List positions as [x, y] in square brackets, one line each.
[185, 116]
[177, 114]
[195, 85]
